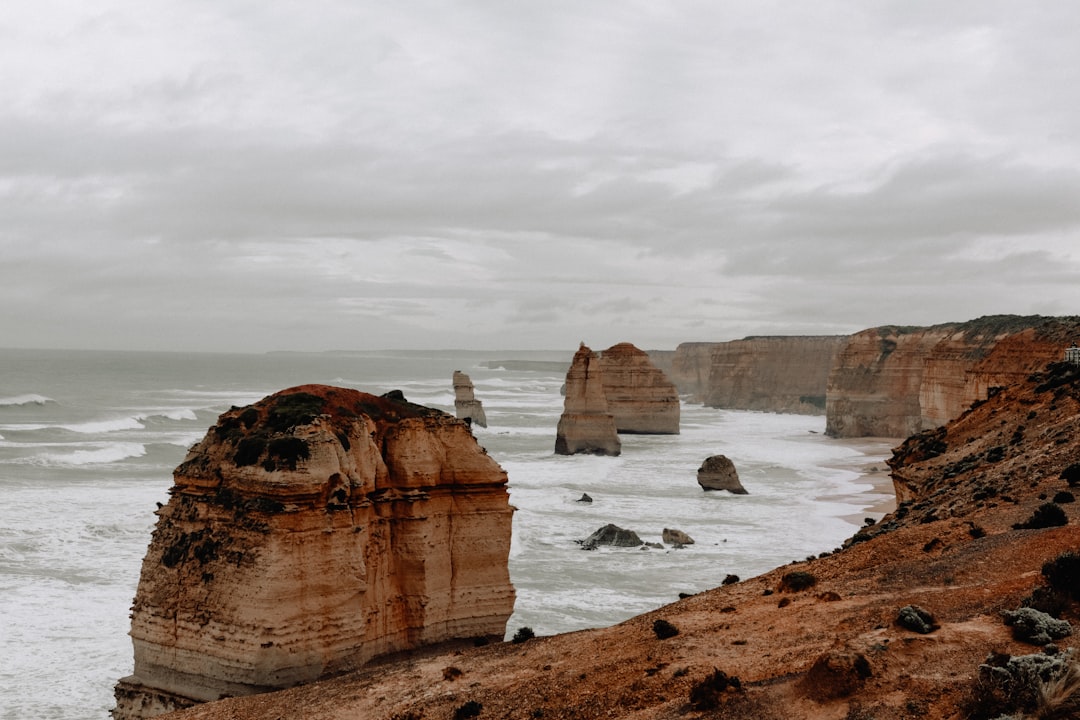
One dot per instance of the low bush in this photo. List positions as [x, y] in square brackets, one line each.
[916, 619]
[1045, 516]
[1063, 574]
[1036, 627]
[664, 629]
[797, 580]
[523, 634]
[707, 694]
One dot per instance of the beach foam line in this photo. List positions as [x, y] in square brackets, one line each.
[27, 399]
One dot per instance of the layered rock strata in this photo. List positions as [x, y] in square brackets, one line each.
[719, 473]
[787, 374]
[639, 396]
[586, 425]
[893, 381]
[466, 406]
[309, 533]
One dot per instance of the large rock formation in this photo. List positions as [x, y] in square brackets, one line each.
[586, 425]
[786, 374]
[309, 533]
[896, 381]
[466, 406]
[639, 395]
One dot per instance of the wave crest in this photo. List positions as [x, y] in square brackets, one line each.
[26, 399]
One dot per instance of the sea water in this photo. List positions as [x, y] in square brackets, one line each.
[88, 442]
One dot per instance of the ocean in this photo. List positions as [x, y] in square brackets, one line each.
[88, 442]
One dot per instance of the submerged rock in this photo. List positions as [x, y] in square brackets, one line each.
[612, 535]
[718, 473]
[676, 537]
[309, 533]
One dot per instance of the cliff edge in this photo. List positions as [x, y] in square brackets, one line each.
[894, 381]
[309, 533]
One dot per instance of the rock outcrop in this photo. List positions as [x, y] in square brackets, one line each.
[466, 406]
[786, 374]
[719, 473]
[639, 395]
[895, 381]
[308, 533]
[586, 425]
[671, 536]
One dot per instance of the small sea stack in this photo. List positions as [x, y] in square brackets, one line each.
[466, 406]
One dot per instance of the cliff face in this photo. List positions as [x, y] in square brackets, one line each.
[639, 396]
[466, 406]
[834, 648]
[785, 374]
[309, 533]
[586, 424]
[895, 381]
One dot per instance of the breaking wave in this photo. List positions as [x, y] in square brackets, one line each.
[27, 399]
[110, 453]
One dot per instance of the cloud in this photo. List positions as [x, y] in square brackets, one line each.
[237, 176]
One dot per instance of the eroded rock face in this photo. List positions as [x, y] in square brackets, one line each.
[466, 406]
[787, 374]
[719, 473]
[639, 395]
[309, 533]
[897, 381]
[586, 424]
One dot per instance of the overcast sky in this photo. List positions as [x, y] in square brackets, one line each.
[248, 176]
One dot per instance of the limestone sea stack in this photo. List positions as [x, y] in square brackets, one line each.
[718, 473]
[308, 533]
[586, 425]
[639, 396]
[466, 406]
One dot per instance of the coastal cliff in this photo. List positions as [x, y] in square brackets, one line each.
[639, 396]
[907, 620]
[309, 533]
[786, 374]
[893, 381]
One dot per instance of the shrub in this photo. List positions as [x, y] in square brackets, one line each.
[1048, 600]
[1064, 497]
[797, 580]
[706, 695]
[523, 634]
[289, 450]
[1071, 475]
[664, 629]
[1045, 516]
[1013, 685]
[916, 619]
[470, 709]
[292, 410]
[1033, 626]
[249, 450]
[1063, 574]
[730, 580]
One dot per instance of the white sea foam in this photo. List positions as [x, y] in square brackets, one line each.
[27, 399]
[105, 453]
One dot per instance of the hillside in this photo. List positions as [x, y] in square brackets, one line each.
[830, 650]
